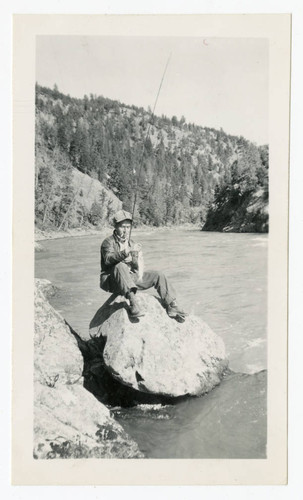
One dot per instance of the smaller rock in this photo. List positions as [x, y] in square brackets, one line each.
[46, 287]
[70, 423]
[39, 247]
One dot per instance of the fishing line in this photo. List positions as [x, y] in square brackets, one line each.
[145, 141]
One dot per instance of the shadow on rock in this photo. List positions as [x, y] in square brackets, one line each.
[106, 310]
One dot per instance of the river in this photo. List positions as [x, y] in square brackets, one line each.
[221, 277]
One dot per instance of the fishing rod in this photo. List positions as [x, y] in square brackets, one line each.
[145, 141]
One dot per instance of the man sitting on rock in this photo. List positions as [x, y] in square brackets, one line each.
[121, 272]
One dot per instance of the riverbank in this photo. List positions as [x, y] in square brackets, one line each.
[41, 235]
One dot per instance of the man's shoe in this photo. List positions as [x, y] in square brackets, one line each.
[174, 311]
[134, 309]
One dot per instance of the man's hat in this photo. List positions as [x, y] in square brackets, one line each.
[122, 215]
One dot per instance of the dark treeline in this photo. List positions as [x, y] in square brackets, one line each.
[187, 171]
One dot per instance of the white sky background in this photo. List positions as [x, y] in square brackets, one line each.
[213, 82]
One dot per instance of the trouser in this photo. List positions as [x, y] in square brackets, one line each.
[122, 281]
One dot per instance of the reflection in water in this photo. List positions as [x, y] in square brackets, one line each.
[220, 277]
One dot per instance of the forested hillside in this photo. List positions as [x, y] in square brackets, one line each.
[190, 174]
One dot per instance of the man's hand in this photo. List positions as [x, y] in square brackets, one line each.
[137, 247]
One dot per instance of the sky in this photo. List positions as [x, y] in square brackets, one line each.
[213, 82]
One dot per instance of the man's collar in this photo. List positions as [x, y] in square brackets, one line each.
[118, 238]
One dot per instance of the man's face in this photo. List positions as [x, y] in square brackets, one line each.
[123, 229]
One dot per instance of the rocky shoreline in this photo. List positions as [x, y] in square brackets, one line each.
[69, 422]
[41, 235]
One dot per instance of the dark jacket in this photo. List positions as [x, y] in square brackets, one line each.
[110, 256]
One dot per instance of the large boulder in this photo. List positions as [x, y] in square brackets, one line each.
[69, 422]
[156, 354]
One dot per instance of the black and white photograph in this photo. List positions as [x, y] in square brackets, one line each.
[151, 214]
